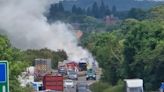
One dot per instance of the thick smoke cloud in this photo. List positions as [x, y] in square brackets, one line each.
[27, 27]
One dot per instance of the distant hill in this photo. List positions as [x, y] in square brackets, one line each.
[120, 4]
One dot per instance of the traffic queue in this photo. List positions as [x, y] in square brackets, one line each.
[44, 78]
[67, 72]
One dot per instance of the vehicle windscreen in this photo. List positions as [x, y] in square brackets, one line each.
[68, 81]
[90, 72]
[82, 64]
[72, 72]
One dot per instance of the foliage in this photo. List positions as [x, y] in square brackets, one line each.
[137, 13]
[16, 63]
[117, 88]
[105, 87]
[157, 12]
[77, 10]
[19, 60]
[143, 48]
[107, 48]
[57, 11]
[134, 50]
[56, 56]
[99, 86]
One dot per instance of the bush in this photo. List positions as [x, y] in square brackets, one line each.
[99, 86]
[118, 88]
[105, 87]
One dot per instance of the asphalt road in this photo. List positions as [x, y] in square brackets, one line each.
[82, 79]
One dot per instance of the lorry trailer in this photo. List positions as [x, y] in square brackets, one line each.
[133, 85]
[53, 82]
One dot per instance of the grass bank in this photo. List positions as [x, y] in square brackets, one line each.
[105, 87]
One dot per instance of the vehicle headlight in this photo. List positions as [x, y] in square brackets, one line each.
[94, 75]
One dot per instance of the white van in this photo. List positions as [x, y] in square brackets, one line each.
[133, 85]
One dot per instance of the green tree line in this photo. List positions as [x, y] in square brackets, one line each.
[55, 56]
[96, 10]
[134, 50]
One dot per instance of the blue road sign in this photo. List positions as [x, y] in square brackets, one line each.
[4, 76]
[3, 73]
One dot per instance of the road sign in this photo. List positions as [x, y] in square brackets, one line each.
[4, 76]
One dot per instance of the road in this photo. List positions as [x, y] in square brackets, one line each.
[82, 79]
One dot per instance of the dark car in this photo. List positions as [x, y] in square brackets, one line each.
[91, 74]
[62, 71]
[82, 87]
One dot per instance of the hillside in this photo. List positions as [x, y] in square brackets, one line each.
[120, 4]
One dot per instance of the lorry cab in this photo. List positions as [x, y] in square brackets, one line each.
[82, 66]
[133, 85]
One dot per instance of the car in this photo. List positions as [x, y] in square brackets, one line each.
[62, 71]
[72, 75]
[48, 91]
[82, 87]
[91, 74]
[68, 83]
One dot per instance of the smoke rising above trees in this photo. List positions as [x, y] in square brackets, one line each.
[25, 24]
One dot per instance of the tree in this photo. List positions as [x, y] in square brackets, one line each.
[143, 52]
[79, 11]
[157, 12]
[107, 49]
[61, 8]
[16, 63]
[134, 50]
[74, 9]
[95, 10]
[114, 10]
[88, 12]
[102, 9]
[55, 56]
[108, 11]
[137, 14]
[57, 12]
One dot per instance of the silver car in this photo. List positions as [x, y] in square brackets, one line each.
[68, 83]
[82, 87]
[72, 75]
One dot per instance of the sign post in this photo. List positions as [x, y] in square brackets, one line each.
[4, 76]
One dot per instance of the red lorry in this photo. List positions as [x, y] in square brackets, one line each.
[53, 82]
[72, 66]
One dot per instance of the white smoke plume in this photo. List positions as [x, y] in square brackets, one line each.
[27, 28]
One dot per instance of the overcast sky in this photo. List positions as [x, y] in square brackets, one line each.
[149, 0]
